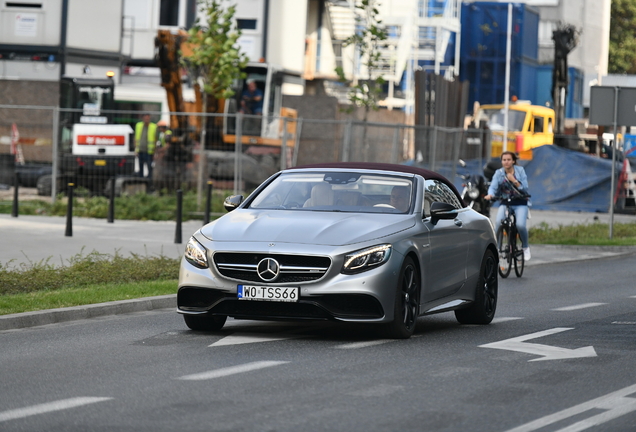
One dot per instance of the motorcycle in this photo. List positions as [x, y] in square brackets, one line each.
[475, 188]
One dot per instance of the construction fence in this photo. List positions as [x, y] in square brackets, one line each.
[50, 148]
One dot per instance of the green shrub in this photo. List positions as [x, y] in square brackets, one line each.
[85, 270]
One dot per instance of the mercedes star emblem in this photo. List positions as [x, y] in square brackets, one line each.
[268, 269]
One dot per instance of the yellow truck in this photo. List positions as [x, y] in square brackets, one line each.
[529, 126]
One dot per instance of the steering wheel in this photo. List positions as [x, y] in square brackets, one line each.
[385, 206]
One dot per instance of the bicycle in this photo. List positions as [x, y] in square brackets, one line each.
[509, 243]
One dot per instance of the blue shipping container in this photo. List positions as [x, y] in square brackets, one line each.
[484, 31]
[487, 80]
[483, 51]
[574, 101]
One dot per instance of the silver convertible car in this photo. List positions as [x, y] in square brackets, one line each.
[356, 242]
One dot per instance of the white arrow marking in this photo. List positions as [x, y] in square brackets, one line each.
[245, 338]
[232, 370]
[577, 307]
[615, 405]
[504, 319]
[546, 351]
[364, 344]
[49, 407]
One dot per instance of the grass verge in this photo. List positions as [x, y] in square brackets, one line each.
[90, 294]
[86, 279]
[596, 234]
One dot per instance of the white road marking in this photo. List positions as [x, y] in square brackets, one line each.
[615, 404]
[546, 352]
[49, 407]
[357, 345]
[245, 338]
[577, 307]
[504, 319]
[232, 370]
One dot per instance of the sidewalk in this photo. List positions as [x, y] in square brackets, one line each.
[31, 239]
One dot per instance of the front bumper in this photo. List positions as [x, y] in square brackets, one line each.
[363, 297]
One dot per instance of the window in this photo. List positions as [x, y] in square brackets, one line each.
[246, 24]
[169, 13]
[436, 191]
[538, 125]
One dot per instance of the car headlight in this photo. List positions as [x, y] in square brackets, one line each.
[366, 259]
[473, 193]
[195, 254]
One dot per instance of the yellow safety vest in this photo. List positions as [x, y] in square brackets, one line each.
[152, 136]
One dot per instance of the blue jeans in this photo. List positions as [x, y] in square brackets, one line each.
[521, 213]
[145, 159]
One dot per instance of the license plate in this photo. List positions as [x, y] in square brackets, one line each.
[279, 294]
[100, 162]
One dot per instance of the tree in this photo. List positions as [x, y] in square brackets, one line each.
[213, 60]
[622, 48]
[368, 40]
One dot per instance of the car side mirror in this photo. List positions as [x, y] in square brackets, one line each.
[232, 202]
[442, 210]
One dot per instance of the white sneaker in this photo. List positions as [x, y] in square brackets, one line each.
[526, 254]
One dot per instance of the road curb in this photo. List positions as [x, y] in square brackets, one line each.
[53, 316]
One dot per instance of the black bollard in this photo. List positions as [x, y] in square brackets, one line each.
[111, 203]
[208, 204]
[16, 185]
[177, 232]
[69, 211]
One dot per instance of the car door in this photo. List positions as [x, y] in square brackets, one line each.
[449, 243]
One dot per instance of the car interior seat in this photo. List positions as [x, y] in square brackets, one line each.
[321, 195]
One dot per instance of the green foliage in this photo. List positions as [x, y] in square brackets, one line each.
[368, 41]
[134, 207]
[216, 59]
[622, 48]
[84, 270]
[597, 234]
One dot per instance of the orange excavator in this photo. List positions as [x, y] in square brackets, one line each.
[260, 136]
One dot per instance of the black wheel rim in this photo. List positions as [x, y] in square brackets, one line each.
[490, 283]
[409, 296]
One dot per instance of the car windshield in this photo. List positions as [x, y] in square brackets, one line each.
[337, 192]
[496, 119]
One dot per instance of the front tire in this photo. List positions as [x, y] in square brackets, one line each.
[204, 322]
[482, 310]
[518, 256]
[505, 256]
[407, 300]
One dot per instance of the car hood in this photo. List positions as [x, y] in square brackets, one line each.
[304, 227]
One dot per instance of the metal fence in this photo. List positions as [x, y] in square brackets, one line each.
[235, 157]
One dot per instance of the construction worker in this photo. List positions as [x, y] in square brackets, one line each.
[164, 134]
[145, 142]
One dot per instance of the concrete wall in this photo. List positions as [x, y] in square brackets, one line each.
[323, 129]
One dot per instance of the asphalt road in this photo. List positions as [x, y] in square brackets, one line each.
[147, 372]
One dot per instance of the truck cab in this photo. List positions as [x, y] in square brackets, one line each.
[529, 126]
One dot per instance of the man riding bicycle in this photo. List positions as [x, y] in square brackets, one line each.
[511, 182]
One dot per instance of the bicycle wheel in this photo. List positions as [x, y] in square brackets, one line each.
[518, 255]
[505, 257]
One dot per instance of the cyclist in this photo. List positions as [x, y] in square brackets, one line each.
[510, 181]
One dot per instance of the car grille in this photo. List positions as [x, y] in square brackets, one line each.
[293, 268]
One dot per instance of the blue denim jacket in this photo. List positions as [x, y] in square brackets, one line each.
[500, 176]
